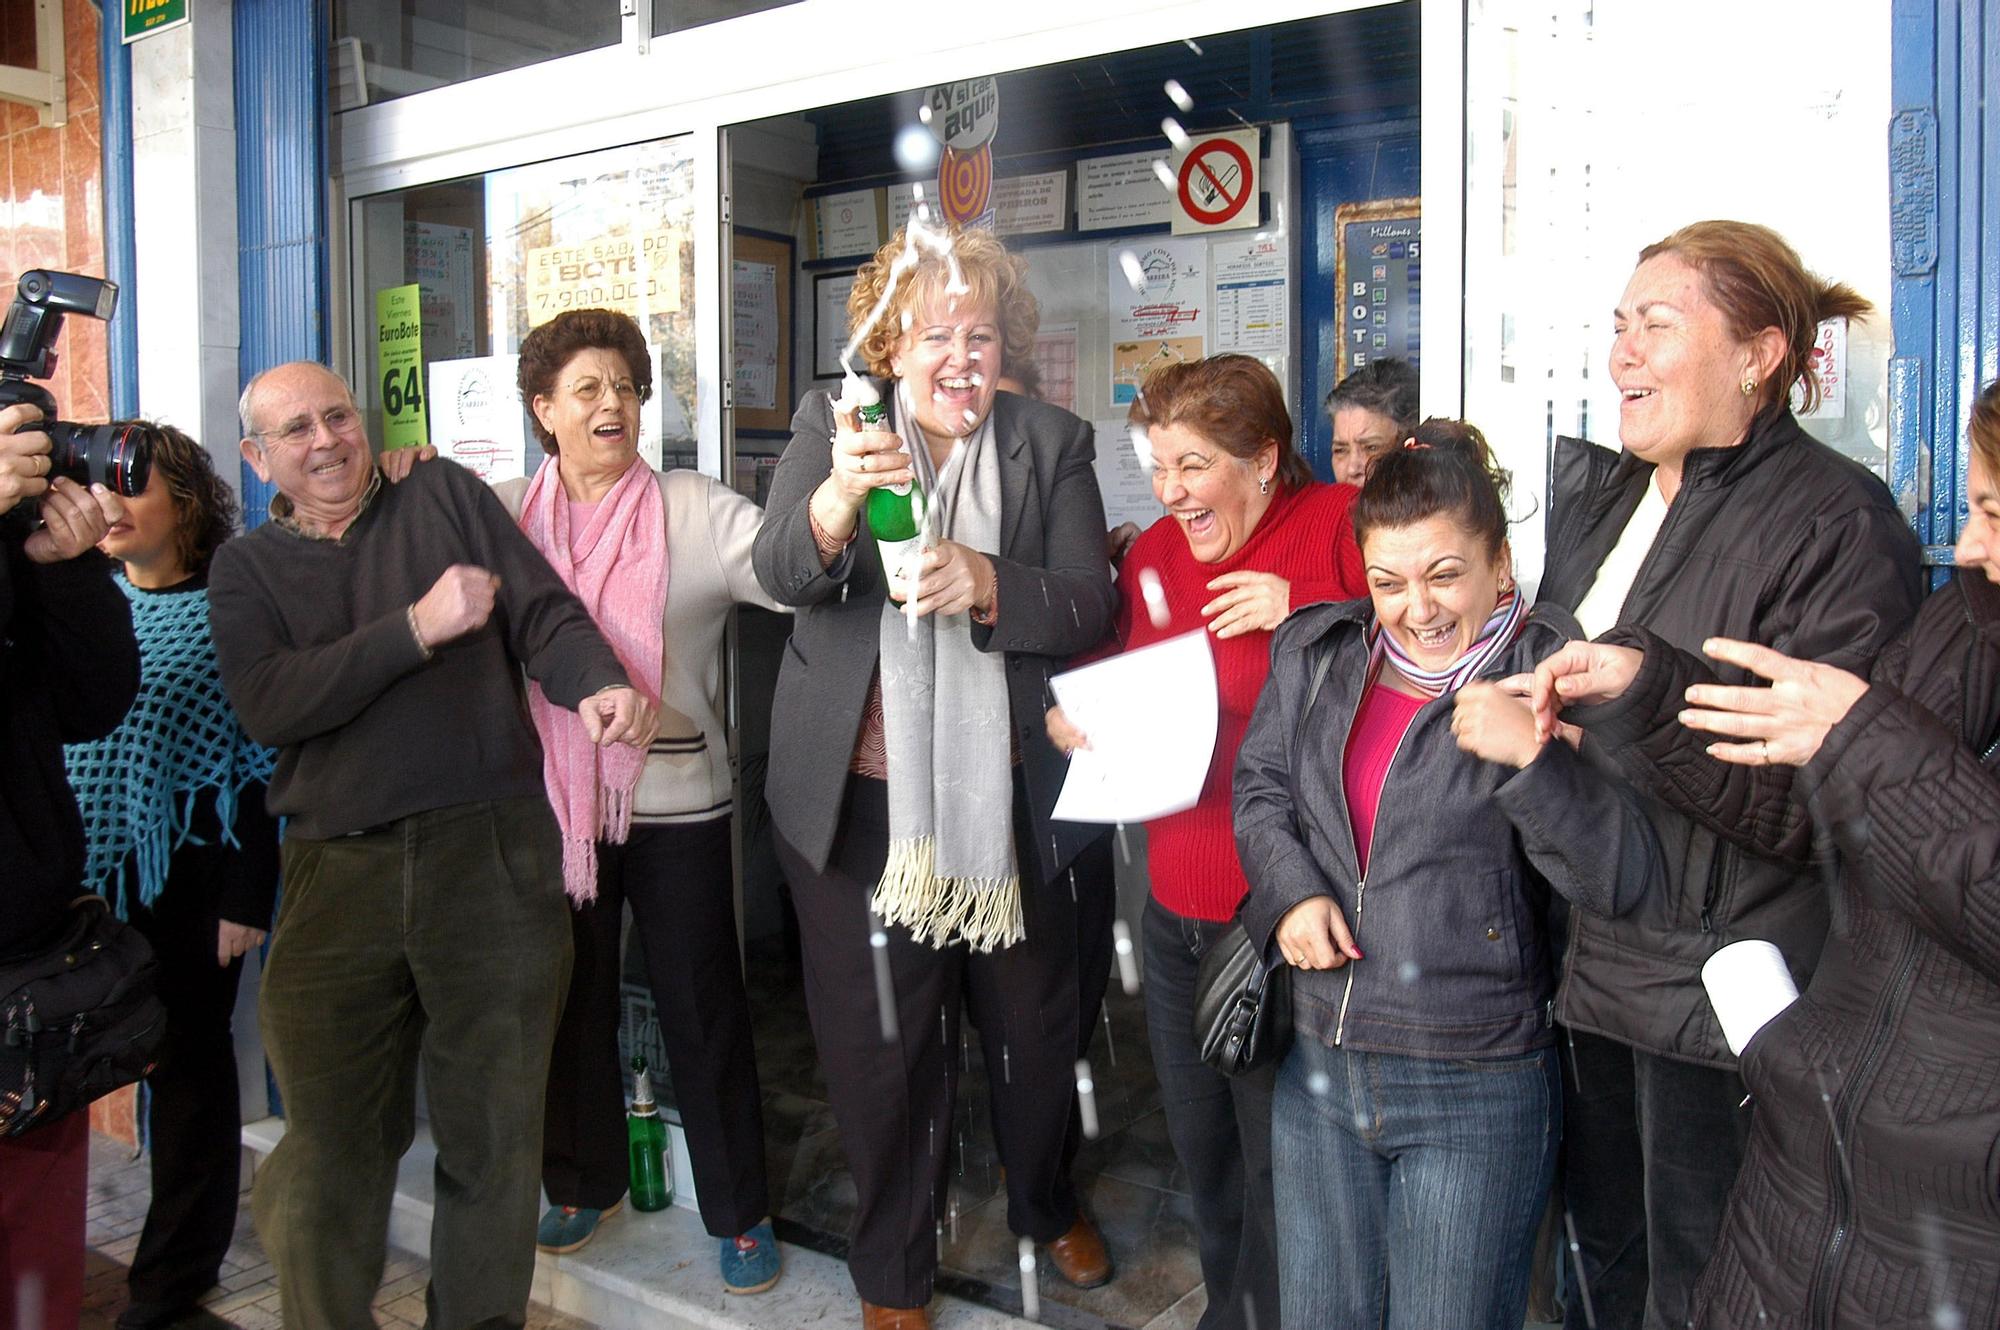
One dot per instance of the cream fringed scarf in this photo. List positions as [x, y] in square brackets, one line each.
[951, 875]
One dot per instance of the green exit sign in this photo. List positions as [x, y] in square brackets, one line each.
[143, 18]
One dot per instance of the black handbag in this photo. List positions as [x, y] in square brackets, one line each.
[1243, 997]
[1242, 1004]
[78, 1017]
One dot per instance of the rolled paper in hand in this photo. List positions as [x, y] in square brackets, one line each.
[1748, 984]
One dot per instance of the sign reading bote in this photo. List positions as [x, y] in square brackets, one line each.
[637, 274]
[143, 18]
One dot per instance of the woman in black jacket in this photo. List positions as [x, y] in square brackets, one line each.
[1868, 1197]
[1415, 1120]
[1721, 516]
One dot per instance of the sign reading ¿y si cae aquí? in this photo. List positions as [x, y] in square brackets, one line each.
[143, 18]
[399, 359]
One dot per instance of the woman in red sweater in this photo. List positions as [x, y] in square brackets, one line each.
[1248, 537]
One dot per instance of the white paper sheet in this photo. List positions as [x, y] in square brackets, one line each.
[1138, 768]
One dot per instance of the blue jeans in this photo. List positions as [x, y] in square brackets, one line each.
[1408, 1189]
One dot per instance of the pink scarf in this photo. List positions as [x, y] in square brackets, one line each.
[591, 787]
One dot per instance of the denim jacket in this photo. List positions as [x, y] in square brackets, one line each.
[1452, 916]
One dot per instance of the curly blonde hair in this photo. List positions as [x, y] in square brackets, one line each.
[998, 281]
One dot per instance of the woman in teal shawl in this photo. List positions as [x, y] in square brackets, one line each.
[179, 840]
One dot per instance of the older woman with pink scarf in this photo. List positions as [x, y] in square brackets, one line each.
[658, 560]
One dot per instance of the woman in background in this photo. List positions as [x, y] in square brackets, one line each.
[1374, 409]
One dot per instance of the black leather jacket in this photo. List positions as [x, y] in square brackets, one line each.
[1453, 913]
[68, 669]
[1870, 1193]
[1781, 541]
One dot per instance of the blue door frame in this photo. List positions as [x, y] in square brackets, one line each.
[1944, 236]
[1340, 161]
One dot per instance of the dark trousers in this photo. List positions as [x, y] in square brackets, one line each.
[893, 1099]
[195, 1121]
[44, 1178]
[679, 883]
[442, 938]
[1221, 1130]
[1650, 1150]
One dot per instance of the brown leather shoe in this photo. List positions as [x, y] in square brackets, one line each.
[894, 1318]
[1079, 1255]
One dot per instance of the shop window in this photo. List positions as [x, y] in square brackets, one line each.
[484, 259]
[1568, 174]
[1064, 162]
[680, 15]
[385, 49]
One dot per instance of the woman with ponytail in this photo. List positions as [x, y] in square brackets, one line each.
[1401, 827]
[1720, 518]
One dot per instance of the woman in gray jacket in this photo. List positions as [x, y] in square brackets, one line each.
[911, 775]
[1401, 827]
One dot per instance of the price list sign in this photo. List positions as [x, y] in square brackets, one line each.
[1379, 271]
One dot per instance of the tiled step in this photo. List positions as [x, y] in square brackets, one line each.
[656, 1271]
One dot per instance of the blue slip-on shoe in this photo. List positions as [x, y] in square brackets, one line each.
[566, 1228]
[750, 1263]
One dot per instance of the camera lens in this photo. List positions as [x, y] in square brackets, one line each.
[118, 458]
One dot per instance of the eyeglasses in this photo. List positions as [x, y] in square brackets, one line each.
[592, 390]
[302, 431]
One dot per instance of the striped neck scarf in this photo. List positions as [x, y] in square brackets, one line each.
[1501, 628]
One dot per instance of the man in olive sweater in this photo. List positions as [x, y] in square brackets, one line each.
[375, 635]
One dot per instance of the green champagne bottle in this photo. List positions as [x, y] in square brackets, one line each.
[895, 512]
[646, 1138]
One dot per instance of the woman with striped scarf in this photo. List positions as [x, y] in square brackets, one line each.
[1401, 828]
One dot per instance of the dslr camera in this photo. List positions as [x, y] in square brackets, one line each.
[119, 459]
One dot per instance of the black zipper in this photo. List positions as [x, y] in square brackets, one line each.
[1716, 868]
[1851, 1095]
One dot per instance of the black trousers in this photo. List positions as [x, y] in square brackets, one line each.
[1650, 1150]
[194, 1125]
[678, 881]
[893, 1099]
[1221, 1130]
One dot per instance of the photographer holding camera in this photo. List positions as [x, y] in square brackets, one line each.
[68, 669]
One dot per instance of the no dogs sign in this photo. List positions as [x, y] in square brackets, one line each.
[1215, 183]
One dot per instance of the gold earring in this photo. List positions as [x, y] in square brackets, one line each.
[1749, 387]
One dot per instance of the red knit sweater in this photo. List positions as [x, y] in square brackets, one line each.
[1304, 537]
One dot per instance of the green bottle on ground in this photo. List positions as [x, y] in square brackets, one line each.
[646, 1138]
[895, 512]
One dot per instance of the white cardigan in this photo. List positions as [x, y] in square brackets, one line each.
[709, 530]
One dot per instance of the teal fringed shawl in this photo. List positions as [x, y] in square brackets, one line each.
[138, 786]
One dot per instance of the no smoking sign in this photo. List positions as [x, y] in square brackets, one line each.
[1216, 183]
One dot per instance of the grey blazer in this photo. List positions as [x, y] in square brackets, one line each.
[1055, 600]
